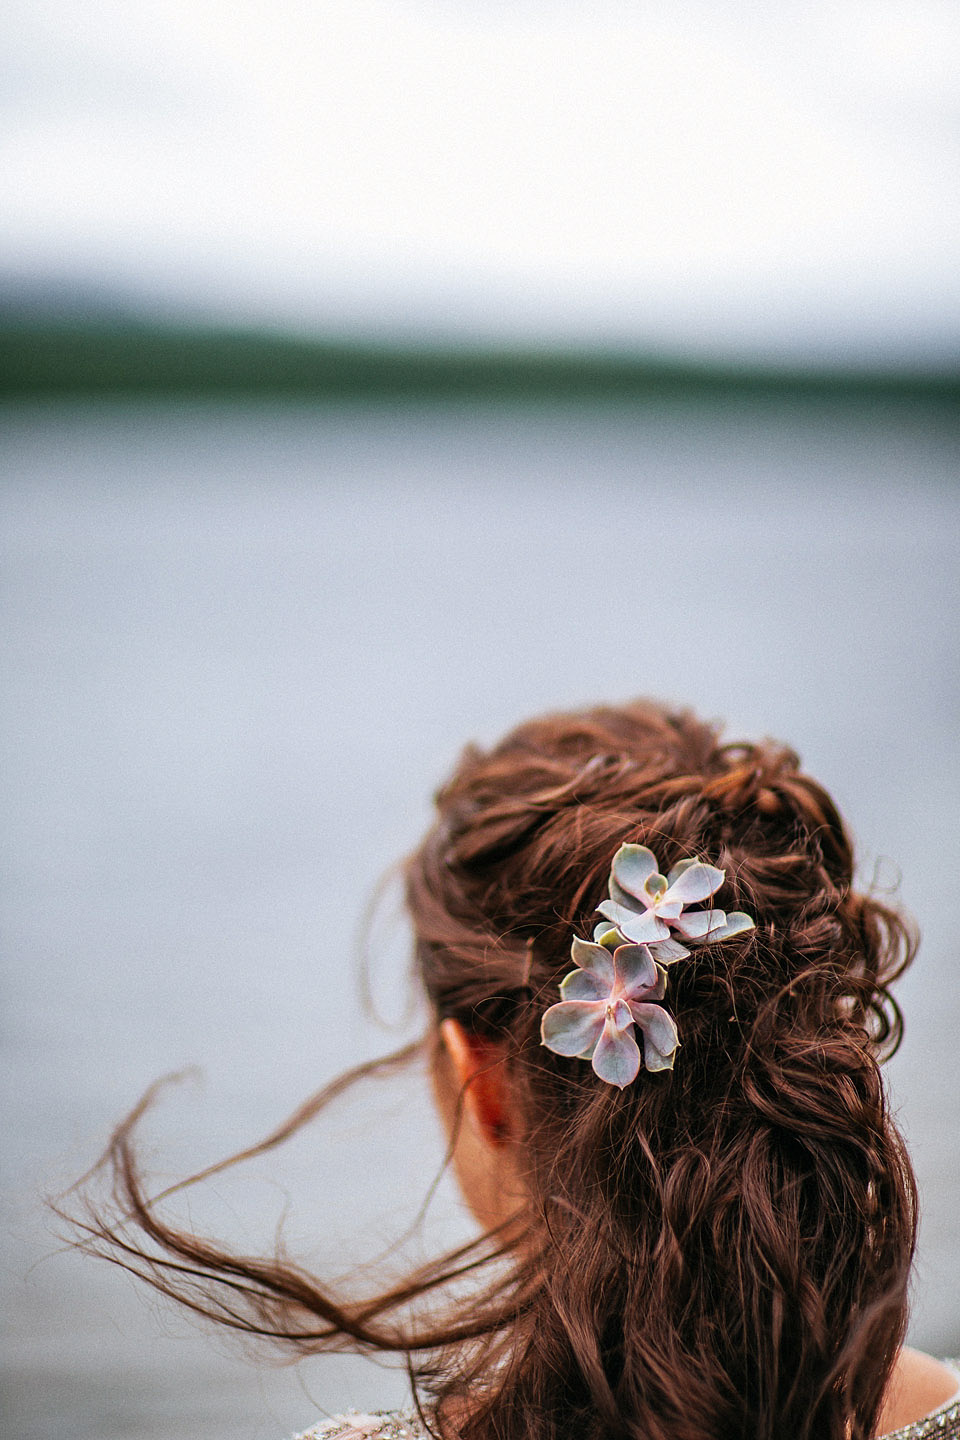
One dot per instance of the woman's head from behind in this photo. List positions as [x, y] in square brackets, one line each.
[721, 1249]
[714, 1252]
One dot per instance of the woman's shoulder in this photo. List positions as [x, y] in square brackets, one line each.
[357, 1425]
[925, 1388]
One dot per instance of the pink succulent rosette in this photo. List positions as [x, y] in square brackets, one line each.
[620, 974]
[645, 906]
[603, 1000]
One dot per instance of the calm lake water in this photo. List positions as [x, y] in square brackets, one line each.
[243, 645]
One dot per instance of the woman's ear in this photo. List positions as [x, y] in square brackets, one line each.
[480, 1072]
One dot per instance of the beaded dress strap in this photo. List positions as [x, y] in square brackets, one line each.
[381, 1425]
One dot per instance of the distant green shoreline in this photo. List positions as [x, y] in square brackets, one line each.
[88, 360]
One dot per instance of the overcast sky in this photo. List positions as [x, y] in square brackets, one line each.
[734, 177]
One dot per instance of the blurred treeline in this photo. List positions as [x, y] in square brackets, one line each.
[76, 358]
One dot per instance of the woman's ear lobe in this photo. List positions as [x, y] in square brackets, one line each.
[481, 1076]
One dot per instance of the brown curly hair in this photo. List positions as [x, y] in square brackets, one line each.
[717, 1252]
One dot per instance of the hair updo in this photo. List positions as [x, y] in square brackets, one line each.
[718, 1252]
[724, 1248]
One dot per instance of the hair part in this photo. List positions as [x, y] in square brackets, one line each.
[718, 1251]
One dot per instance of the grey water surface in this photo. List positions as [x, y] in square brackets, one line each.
[242, 647]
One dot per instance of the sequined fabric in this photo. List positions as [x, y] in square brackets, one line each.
[384, 1425]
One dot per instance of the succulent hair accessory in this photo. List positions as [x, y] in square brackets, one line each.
[622, 972]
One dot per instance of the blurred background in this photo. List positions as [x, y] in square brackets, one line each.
[373, 376]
